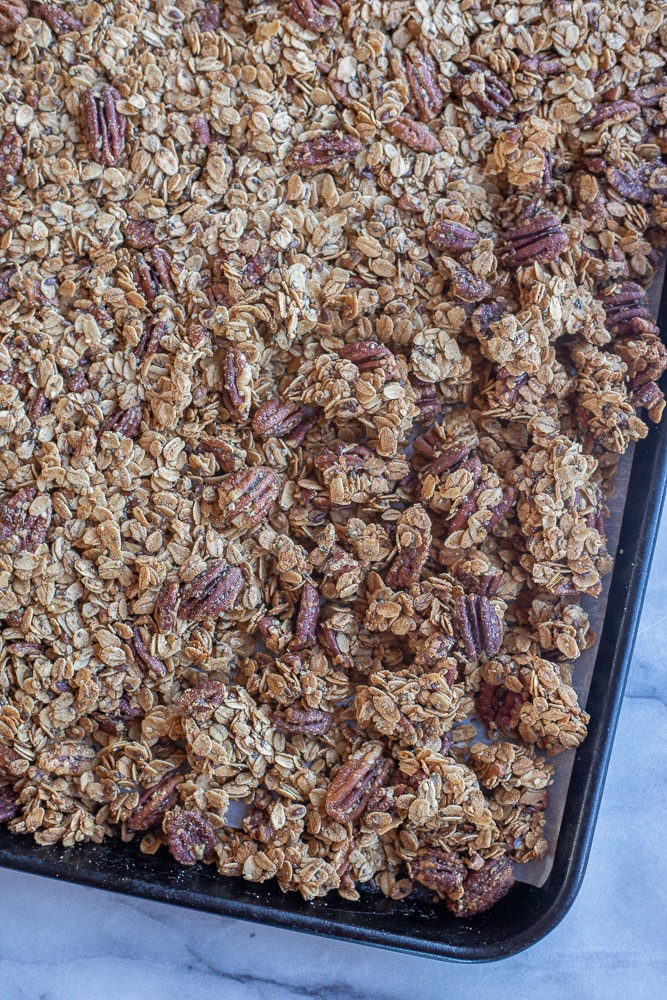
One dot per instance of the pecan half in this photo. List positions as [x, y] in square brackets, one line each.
[437, 869]
[325, 150]
[477, 625]
[59, 20]
[362, 774]
[189, 835]
[104, 126]
[144, 655]
[246, 497]
[309, 721]
[329, 640]
[414, 134]
[305, 629]
[154, 803]
[124, 422]
[212, 592]
[151, 339]
[483, 888]
[448, 458]
[624, 307]
[236, 384]
[199, 703]
[367, 355]
[470, 506]
[421, 73]
[486, 90]
[413, 540]
[11, 158]
[12, 12]
[610, 113]
[315, 15]
[140, 234]
[452, 236]
[9, 805]
[539, 239]
[279, 418]
[165, 607]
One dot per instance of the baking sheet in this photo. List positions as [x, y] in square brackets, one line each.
[537, 872]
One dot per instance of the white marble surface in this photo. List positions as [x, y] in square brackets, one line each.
[64, 942]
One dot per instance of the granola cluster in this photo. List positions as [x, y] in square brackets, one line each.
[323, 327]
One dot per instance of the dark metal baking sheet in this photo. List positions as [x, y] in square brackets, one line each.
[416, 925]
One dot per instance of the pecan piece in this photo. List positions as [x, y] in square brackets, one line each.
[279, 418]
[426, 399]
[477, 625]
[467, 286]
[236, 384]
[367, 355]
[212, 592]
[145, 657]
[610, 113]
[651, 94]
[651, 397]
[189, 835]
[201, 130]
[165, 606]
[151, 339]
[421, 73]
[483, 888]
[413, 540]
[305, 629]
[9, 805]
[140, 234]
[154, 803]
[6, 275]
[59, 20]
[325, 150]
[12, 12]
[448, 458]
[104, 126]
[414, 134]
[486, 90]
[259, 265]
[452, 236]
[359, 778]
[470, 506]
[499, 706]
[114, 724]
[124, 422]
[11, 158]
[318, 16]
[210, 17]
[246, 497]
[199, 703]
[309, 721]
[30, 530]
[153, 273]
[228, 456]
[437, 869]
[327, 637]
[539, 239]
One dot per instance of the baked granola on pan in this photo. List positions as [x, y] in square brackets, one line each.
[323, 327]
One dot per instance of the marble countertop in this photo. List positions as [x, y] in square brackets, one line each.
[65, 942]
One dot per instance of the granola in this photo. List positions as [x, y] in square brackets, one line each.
[322, 329]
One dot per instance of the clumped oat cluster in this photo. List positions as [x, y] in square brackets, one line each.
[323, 328]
